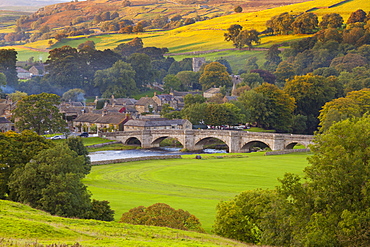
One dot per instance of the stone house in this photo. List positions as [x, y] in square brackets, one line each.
[37, 70]
[146, 104]
[6, 107]
[92, 122]
[5, 125]
[211, 92]
[23, 73]
[169, 99]
[157, 124]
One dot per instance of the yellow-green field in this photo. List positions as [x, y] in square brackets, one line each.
[206, 35]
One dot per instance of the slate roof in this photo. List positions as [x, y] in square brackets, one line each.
[154, 123]
[109, 118]
[4, 120]
[144, 101]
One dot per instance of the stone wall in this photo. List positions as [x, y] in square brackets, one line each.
[163, 157]
[288, 151]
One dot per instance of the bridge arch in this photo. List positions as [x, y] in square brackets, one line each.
[254, 145]
[199, 144]
[132, 141]
[291, 145]
[158, 140]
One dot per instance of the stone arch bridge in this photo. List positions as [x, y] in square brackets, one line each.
[193, 140]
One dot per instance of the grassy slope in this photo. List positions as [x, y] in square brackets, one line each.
[193, 185]
[21, 225]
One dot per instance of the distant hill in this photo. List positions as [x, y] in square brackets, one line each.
[30, 2]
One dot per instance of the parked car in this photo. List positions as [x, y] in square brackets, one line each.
[56, 137]
[84, 134]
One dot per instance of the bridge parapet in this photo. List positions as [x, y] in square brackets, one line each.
[237, 141]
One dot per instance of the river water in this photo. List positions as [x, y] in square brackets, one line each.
[134, 153]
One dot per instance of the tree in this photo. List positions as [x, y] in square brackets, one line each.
[76, 144]
[225, 63]
[310, 93]
[214, 74]
[171, 82]
[117, 80]
[233, 32]
[355, 104]
[195, 113]
[190, 99]
[17, 96]
[161, 214]
[266, 75]
[141, 63]
[331, 20]
[272, 58]
[270, 107]
[253, 80]
[8, 58]
[2, 80]
[281, 24]
[39, 113]
[284, 71]
[348, 62]
[357, 16]
[129, 48]
[16, 150]
[247, 38]
[238, 9]
[305, 23]
[75, 95]
[188, 79]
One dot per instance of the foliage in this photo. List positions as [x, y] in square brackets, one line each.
[16, 150]
[39, 113]
[355, 104]
[280, 24]
[8, 58]
[161, 214]
[171, 82]
[305, 23]
[270, 107]
[330, 208]
[74, 95]
[331, 20]
[119, 80]
[76, 144]
[214, 74]
[17, 95]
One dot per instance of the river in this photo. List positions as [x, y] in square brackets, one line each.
[134, 153]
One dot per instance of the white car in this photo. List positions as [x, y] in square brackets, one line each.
[56, 137]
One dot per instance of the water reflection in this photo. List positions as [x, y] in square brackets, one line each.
[122, 154]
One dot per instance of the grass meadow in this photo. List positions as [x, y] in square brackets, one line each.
[23, 226]
[195, 185]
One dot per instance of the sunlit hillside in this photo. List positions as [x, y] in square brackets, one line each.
[205, 35]
[21, 225]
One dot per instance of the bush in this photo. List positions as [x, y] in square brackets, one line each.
[161, 214]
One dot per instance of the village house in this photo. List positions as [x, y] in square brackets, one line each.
[23, 74]
[146, 104]
[92, 122]
[157, 124]
[37, 69]
[5, 125]
[6, 107]
[169, 99]
[209, 93]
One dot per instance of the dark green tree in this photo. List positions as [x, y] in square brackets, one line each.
[117, 80]
[247, 38]
[8, 58]
[16, 150]
[39, 113]
[141, 64]
[171, 82]
[305, 23]
[331, 20]
[272, 58]
[238, 9]
[233, 32]
[281, 24]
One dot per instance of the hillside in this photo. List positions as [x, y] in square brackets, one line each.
[63, 14]
[21, 225]
[204, 35]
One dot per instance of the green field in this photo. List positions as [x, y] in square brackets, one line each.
[190, 184]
